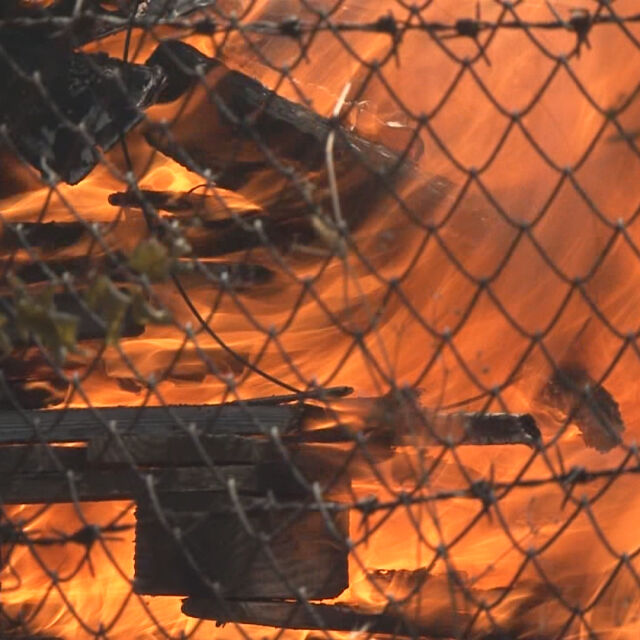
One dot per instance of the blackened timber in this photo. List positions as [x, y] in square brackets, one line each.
[325, 617]
[237, 275]
[36, 458]
[171, 201]
[459, 429]
[400, 416]
[27, 487]
[178, 450]
[81, 425]
[271, 554]
[257, 142]
[41, 120]
[500, 428]
[182, 65]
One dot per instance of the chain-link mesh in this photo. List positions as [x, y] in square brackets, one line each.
[319, 317]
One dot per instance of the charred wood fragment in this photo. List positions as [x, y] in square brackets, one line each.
[267, 554]
[183, 66]
[92, 484]
[37, 458]
[74, 104]
[234, 275]
[581, 400]
[172, 201]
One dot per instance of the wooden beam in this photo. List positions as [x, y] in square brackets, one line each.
[308, 615]
[235, 275]
[110, 484]
[81, 425]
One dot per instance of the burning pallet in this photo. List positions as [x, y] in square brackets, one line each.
[225, 495]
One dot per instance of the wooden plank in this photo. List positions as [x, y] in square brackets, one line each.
[37, 458]
[236, 275]
[109, 484]
[215, 546]
[76, 425]
[178, 449]
[329, 617]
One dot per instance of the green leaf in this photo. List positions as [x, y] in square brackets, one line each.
[110, 303]
[37, 316]
[152, 259]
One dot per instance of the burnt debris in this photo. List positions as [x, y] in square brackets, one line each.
[59, 108]
[584, 402]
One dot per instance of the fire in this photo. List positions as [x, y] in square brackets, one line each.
[538, 550]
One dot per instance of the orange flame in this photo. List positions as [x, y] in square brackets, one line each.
[491, 554]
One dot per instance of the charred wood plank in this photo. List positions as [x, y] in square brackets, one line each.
[325, 617]
[490, 429]
[235, 275]
[275, 148]
[304, 550]
[291, 464]
[178, 450]
[37, 458]
[81, 425]
[90, 484]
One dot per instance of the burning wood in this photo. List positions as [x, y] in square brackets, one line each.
[263, 144]
[581, 400]
[312, 615]
[46, 236]
[205, 206]
[88, 325]
[77, 425]
[400, 418]
[42, 118]
[233, 275]
[93, 484]
[217, 545]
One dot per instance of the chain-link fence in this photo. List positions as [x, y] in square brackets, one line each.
[319, 317]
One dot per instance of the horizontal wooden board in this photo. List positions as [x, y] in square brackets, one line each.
[73, 425]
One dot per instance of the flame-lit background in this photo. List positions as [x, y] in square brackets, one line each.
[525, 125]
